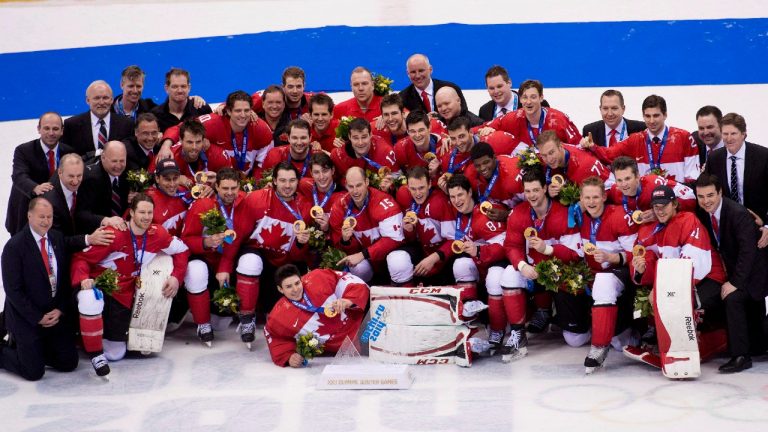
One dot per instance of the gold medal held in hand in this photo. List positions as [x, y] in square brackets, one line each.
[637, 216]
[350, 222]
[330, 312]
[196, 192]
[638, 250]
[201, 177]
[231, 234]
[410, 214]
[429, 157]
[485, 206]
[457, 246]
[299, 225]
[558, 180]
[530, 233]
[384, 171]
[447, 176]
[316, 212]
[589, 248]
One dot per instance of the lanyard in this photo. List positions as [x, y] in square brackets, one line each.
[623, 132]
[121, 109]
[594, 225]
[656, 229]
[138, 260]
[352, 204]
[540, 128]
[285, 204]
[548, 174]
[451, 167]
[325, 198]
[307, 304]
[491, 184]
[540, 224]
[306, 163]
[240, 156]
[203, 158]
[651, 162]
[184, 196]
[371, 162]
[625, 199]
[460, 233]
[230, 218]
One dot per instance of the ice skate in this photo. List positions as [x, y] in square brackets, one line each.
[540, 321]
[494, 340]
[595, 359]
[516, 346]
[101, 366]
[205, 334]
[247, 329]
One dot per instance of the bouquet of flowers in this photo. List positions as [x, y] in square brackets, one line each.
[139, 180]
[373, 178]
[576, 277]
[317, 238]
[265, 180]
[342, 130]
[382, 85]
[107, 281]
[527, 159]
[569, 194]
[226, 299]
[550, 274]
[643, 302]
[330, 257]
[248, 184]
[308, 345]
[213, 221]
[400, 180]
[659, 172]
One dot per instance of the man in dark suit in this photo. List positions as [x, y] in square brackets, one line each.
[34, 163]
[420, 94]
[449, 107]
[129, 103]
[734, 235]
[503, 98]
[742, 168]
[37, 298]
[88, 132]
[613, 127]
[103, 197]
[142, 147]
[708, 137]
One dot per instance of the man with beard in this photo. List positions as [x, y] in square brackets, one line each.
[708, 137]
[171, 203]
[497, 180]
[297, 152]
[321, 190]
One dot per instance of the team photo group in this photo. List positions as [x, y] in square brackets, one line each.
[287, 208]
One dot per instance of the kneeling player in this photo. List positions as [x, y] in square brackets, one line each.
[329, 303]
[104, 319]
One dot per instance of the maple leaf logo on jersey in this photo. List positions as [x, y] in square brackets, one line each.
[274, 238]
[430, 232]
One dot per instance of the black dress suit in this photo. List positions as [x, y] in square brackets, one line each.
[30, 168]
[145, 105]
[488, 108]
[755, 176]
[63, 221]
[598, 130]
[411, 96]
[94, 199]
[136, 158]
[78, 132]
[165, 119]
[28, 298]
[747, 268]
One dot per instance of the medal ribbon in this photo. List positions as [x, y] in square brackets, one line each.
[491, 184]
[656, 163]
[625, 200]
[460, 233]
[138, 260]
[451, 167]
[240, 156]
[325, 198]
[540, 128]
[307, 305]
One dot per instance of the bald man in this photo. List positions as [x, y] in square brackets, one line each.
[34, 163]
[420, 94]
[449, 106]
[88, 132]
[103, 197]
[364, 103]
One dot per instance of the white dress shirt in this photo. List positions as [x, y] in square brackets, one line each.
[739, 169]
[95, 128]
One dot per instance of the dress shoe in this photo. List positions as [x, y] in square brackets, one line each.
[736, 364]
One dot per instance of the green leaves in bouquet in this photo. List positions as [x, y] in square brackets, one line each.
[569, 194]
[382, 85]
[550, 274]
[107, 281]
[226, 299]
[330, 257]
[342, 130]
[139, 180]
[213, 221]
[577, 277]
[308, 345]
[643, 302]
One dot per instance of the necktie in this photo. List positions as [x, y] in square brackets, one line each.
[656, 140]
[74, 204]
[503, 111]
[715, 228]
[48, 269]
[612, 138]
[102, 134]
[51, 162]
[425, 100]
[116, 206]
[734, 181]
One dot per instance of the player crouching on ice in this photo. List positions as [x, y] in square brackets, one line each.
[105, 318]
[328, 303]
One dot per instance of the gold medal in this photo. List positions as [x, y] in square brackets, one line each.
[457, 246]
[384, 171]
[637, 216]
[638, 250]
[410, 214]
[589, 248]
[350, 222]
[485, 206]
[530, 233]
[299, 225]
[558, 180]
[196, 191]
[429, 156]
[231, 234]
[330, 312]
[201, 177]
[447, 176]
[138, 283]
[316, 212]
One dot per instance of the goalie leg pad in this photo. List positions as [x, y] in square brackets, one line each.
[417, 306]
[422, 345]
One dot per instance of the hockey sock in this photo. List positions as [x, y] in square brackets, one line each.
[248, 290]
[92, 331]
[468, 290]
[603, 324]
[514, 305]
[199, 304]
[496, 314]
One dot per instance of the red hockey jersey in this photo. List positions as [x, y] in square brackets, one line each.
[169, 210]
[508, 188]
[517, 124]
[435, 228]
[194, 232]
[552, 228]
[350, 107]
[615, 233]
[642, 201]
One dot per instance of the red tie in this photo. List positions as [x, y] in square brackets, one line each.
[715, 227]
[74, 203]
[612, 139]
[51, 162]
[44, 253]
[425, 100]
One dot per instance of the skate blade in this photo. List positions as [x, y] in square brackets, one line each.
[249, 345]
[209, 344]
[591, 370]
